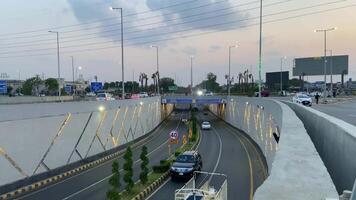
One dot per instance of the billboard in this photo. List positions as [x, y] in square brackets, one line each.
[273, 80]
[314, 66]
[96, 86]
[3, 87]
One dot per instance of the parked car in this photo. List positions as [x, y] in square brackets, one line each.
[303, 99]
[135, 96]
[209, 93]
[90, 94]
[264, 93]
[143, 94]
[205, 126]
[186, 164]
[104, 97]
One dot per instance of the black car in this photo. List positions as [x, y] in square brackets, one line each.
[186, 164]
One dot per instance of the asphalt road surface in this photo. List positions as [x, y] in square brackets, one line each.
[345, 111]
[224, 150]
[93, 183]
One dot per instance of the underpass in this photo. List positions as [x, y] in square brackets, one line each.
[228, 151]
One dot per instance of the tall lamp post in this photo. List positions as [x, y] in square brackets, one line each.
[58, 63]
[331, 70]
[191, 74]
[229, 76]
[260, 54]
[73, 74]
[325, 59]
[281, 84]
[157, 53]
[122, 51]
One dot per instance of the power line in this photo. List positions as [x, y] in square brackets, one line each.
[100, 20]
[190, 35]
[149, 24]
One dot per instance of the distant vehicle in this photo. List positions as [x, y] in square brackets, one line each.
[135, 96]
[143, 94]
[303, 99]
[42, 95]
[209, 93]
[205, 126]
[184, 120]
[264, 93]
[105, 97]
[186, 164]
[90, 94]
[128, 96]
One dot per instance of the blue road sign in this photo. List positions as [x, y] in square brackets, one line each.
[3, 87]
[209, 101]
[68, 89]
[179, 100]
[96, 86]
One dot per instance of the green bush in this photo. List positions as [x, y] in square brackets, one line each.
[162, 167]
[178, 152]
[144, 165]
[128, 170]
[114, 181]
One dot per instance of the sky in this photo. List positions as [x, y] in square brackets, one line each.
[90, 32]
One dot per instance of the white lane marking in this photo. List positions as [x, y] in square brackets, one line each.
[91, 169]
[160, 187]
[219, 157]
[92, 185]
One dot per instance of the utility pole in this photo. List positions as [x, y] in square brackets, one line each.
[229, 76]
[281, 84]
[331, 71]
[191, 74]
[325, 58]
[260, 54]
[73, 75]
[122, 51]
[58, 63]
[157, 60]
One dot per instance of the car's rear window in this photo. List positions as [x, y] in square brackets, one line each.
[101, 95]
[206, 123]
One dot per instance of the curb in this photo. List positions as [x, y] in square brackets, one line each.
[151, 188]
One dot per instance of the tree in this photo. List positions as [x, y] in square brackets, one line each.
[51, 85]
[210, 84]
[165, 83]
[30, 84]
[87, 89]
[114, 181]
[144, 165]
[106, 86]
[128, 170]
[9, 89]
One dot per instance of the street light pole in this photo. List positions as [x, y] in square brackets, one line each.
[331, 70]
[58, 63]
[157, 53]
[191, 74]
[229, 76]
[260, 54]
[281, 85]
[325, 59]
[122, 51]
[73, 74]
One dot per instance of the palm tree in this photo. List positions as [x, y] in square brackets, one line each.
[154, 80]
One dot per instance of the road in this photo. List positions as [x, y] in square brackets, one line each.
[224, 150]
[93, 183]
[344, 111]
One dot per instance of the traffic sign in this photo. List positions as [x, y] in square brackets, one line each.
[96, 86]
[190, 133]
[3, 87]
[68, 89]
[184, 139]
[173, 135]
[172, 88]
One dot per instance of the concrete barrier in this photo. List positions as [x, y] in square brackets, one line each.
[295, 168]
[46, 132]
[33, 99]
[335, 141]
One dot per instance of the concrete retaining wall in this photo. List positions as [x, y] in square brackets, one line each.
[295, 168]
[335, 141]
[33, 99]
[28, 133]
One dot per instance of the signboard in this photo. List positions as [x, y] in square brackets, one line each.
[173, 137]
[314, 66]
[179, 100]
[68, 89]
[209, 101]
[96, 86]
[172, 88]
[273, 80]
[185, 141]
[3, 87]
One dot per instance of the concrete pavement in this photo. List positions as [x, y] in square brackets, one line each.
[344, 111]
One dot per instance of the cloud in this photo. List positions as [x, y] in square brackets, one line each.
[188, 50]
[158, 25]
[214, 48]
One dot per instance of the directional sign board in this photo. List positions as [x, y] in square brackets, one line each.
[209, 101]
[3, 87]
[96, 86]
[68, 89]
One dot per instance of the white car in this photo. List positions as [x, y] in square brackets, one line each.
[143, 94]
[208, 93]
[205, 126]
[104, 97]
[303, 99]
